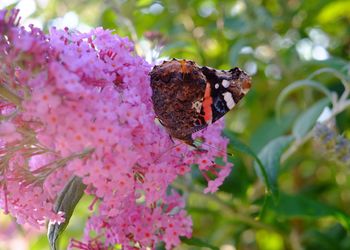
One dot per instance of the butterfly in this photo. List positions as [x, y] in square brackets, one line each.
[187, 97]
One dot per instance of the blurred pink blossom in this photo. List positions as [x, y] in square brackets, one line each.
[81, 105]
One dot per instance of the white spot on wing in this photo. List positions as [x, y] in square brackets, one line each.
[197, 106]
[230, 103]
[217, 86]
[225, 83]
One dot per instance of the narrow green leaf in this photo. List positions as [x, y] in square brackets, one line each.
[297, 85]
[300, 206]
[241, 147]
[197, 243]
[270, 157]
[328, 71]
[66, 202]
[343, 78]
[308, 118]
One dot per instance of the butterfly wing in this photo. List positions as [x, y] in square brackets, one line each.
[178, 88]
[226, 87]
[188, 98]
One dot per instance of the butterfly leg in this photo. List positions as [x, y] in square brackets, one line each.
[171, 139]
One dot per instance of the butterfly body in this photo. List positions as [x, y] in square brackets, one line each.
[187, 97]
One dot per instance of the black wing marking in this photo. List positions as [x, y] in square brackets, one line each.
[215, 78]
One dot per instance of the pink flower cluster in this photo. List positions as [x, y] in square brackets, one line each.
[79, 104]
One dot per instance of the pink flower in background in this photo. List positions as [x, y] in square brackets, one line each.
[80, 104]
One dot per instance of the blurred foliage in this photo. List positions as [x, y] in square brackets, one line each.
[281, 44]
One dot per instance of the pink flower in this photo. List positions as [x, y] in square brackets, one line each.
[82, 107]
[8, 132]
[213, 185]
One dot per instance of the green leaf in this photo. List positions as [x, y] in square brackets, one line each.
[298, 206]
[307, 120]
[297, 85]
[66, 202]
[197, 243]
[240, 146]
[270, 157]
[343, 78]
[270, 129]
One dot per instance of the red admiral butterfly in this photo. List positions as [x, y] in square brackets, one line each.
[188, 98]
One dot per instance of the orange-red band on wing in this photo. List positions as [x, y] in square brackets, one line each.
[207, 102]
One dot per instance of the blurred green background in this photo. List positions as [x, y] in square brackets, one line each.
[278, 42]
